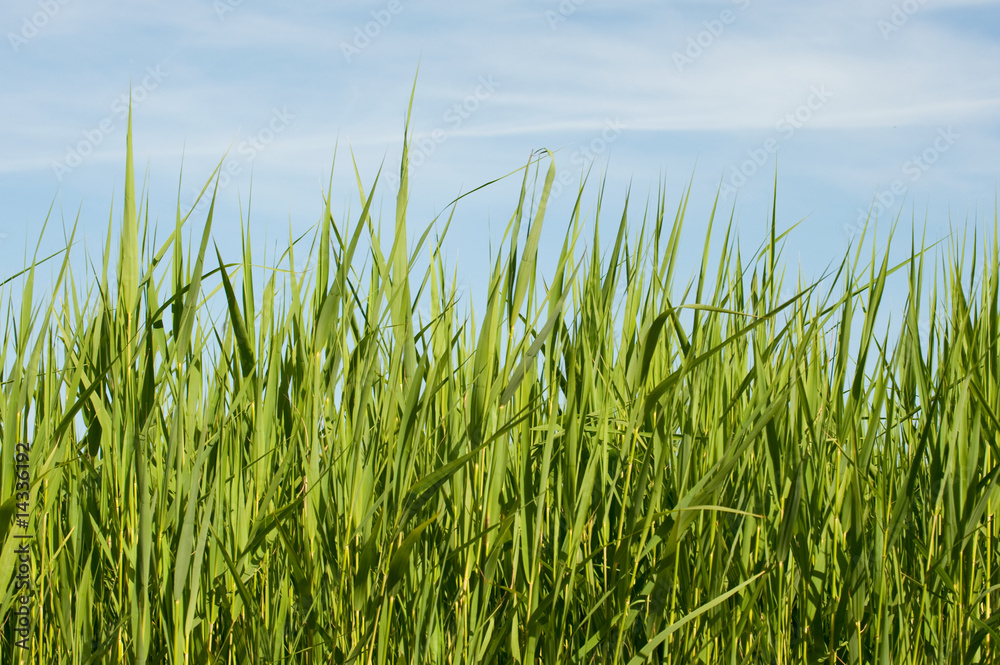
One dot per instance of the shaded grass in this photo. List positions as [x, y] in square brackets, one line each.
[717, 474]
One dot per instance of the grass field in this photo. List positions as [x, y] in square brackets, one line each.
[611, 467]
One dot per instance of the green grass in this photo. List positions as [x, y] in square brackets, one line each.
[604, 468]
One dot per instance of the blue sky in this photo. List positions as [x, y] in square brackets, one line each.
[855, 103]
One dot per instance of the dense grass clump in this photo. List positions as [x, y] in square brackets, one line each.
[602, 469]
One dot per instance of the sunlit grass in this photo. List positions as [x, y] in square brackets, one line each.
[713, 474]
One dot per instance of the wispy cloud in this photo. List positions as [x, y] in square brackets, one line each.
[606, 60]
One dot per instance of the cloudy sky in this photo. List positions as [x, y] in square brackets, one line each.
[858, 104]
